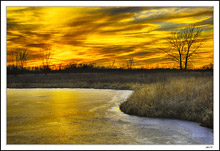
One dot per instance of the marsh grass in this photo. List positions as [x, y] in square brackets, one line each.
[117, 80]
[186, 98]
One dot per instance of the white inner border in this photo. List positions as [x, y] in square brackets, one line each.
[4, 4]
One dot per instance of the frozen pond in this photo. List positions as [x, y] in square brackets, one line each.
[89, 116]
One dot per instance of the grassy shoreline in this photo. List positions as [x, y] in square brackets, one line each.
[186, 96]
[186, 99]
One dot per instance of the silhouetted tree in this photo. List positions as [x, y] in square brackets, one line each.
[129, 63]
[208, 67]
[193, 43]
[22, 56]
[183, 45]
[12, 56]
[60, 66]
[46, 57]
[19, 56]
[15, 57]
[112, 66]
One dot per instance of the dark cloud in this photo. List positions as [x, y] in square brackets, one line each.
[114, 49]
[26, 9]
[163, 16]
[72, 42]
[14, 25]
[81, 53]
[140, 54]
[92, 20]
[153, 60]
[11, 23]
[26, 39]
[26, 33]
[35, 56]
[17, 40]
[120, 10]
[81, 27]
[102, 60]
[208, 21]
[168, 26]
[35, 12]
[37, 45]
[42, 35]
[124, 29]
[126, 50]
[74, 38]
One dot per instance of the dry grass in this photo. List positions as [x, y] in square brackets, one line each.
[116, 80]
[186, 98]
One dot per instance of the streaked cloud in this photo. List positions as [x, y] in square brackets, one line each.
[102, 34]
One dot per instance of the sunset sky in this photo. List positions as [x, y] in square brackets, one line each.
[103, 34]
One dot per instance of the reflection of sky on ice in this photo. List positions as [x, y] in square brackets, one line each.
[89, 116]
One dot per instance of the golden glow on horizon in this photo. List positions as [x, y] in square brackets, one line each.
[103, 34]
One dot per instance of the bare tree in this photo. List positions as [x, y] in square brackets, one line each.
[130, 63]
[11, 54]
[22, 56]
[176, 48]
[193, 42]
[112, 65]
[46, 57]
[19, 56]
[14, 56]
[183, 45]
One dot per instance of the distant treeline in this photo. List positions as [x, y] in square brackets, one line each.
[89, 68]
